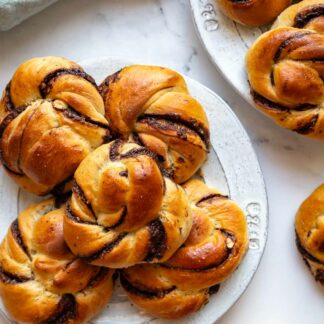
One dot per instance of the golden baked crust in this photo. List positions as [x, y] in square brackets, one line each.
[253, 12]
[308, 14]
[309, 225]
[285, 68]
[215, 247]
[152, 104]
[51, 117]
[41, 281]
[123, 211]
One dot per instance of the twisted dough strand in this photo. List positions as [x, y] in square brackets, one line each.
[123, 211]
[309, 226]
[215, 247]
[50, 109]
[41, 281]
[285, 70]
[308, 14]
[152, 105]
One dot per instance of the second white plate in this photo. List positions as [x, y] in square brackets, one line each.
[226, 42]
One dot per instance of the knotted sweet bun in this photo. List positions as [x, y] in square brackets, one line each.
[51, 117]
[285, 69]
[153, 106]
[309, 225]
[215, 247]
[123, 210]
[308, 14]
[253, 12]
[41, 281]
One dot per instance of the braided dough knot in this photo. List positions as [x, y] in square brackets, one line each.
[51, 116]
[307, 14]
[215, 247]
[123, 210]
[41, 281]
[285, 68]
[153, 105]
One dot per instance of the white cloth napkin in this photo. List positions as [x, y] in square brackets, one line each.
[13, 12]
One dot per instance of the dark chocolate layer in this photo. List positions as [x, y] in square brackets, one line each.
[66, 310]
[12, 279]
[308, 127]
[287, 42]
[104, 86]
[77, 190]
[114, 150]
[75, 115]
[18, 237]
[8, 101]
[175, 122]
[213, 289]
[305, 253]
[73, 217]
[319, 276]
[106, 249]
[100, 276]
[59, 189]
[271, 105]
[47, 84]
[305, 16]
[211, 197]
[141, 291]
[158, 241]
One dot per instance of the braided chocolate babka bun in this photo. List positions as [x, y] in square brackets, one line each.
[309, 225]
[153, 105]
[215, 247]
[123, 210]
[253, 12]
[51, 117]
[308, 14]
[285, 68]
[41, 281]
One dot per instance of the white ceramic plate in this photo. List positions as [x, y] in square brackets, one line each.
[232, 167]
[226, 42]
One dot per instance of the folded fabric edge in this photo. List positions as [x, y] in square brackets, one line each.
[13, 12]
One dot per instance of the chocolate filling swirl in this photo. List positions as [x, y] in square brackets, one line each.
[211, 197]
[305, 253]
[8, 101]
[307, 127]
[18, 237]
[271, 105]
[75, 115]
[175, 122]
[319, 276]
[77, 190]
[105, 85]
[287, 42]
[12, 279]
[106, 249]
[305, 16]
[65, 311]
[143, 291]
[47, 84]
[158, 241]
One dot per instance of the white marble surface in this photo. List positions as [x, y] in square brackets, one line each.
[162, 32]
